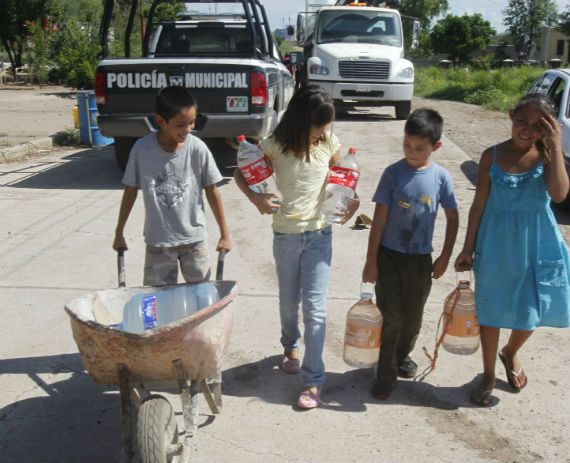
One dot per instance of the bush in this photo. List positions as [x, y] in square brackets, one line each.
[497, 89]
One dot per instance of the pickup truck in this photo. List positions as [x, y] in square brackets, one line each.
[223, 51]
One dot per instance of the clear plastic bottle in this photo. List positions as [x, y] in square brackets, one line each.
[462, 336]
[146, 311]
[341, 186]
[363, 330]
[255, 168]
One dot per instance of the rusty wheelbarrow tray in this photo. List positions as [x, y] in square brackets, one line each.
[188, 352]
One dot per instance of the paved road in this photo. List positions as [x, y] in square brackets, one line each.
[58, 216]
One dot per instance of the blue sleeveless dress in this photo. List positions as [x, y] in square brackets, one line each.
[521, 264]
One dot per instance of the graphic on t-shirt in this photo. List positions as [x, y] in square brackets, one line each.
[170, 188]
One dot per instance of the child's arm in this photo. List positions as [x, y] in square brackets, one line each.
[129, 198]
[215, 201]
[465, 257]
[440, 265]
[261, 201]
[555, 172]
[370, 272]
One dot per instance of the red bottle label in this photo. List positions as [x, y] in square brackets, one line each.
[343, 176]
[257, 171]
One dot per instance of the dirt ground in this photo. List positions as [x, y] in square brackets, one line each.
[28, 112]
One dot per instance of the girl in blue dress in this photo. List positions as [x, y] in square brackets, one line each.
[513, 242]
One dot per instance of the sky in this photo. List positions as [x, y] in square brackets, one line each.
[284, 12]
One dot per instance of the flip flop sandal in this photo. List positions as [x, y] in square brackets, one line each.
[481, 397]
[307, 400]
[291, 366]
[511, 373]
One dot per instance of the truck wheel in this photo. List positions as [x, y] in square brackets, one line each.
[403, 109]
[157, 431]
[123, 147]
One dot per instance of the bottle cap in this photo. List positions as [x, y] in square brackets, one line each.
[241, 138]
[352, 150]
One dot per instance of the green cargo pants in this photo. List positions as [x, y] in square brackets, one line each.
[403, 286]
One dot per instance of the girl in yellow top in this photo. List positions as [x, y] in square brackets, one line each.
[302, 150]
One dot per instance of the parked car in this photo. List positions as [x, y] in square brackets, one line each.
[556, 84]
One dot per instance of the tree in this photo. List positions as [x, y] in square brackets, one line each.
[423, 11]
[524, 18]
[15, 20]
[474, 32]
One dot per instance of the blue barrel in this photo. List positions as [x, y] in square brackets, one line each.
[88, 130]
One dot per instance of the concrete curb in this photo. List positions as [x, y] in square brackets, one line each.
[23, 150]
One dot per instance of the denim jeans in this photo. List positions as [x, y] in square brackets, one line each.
[303, 262]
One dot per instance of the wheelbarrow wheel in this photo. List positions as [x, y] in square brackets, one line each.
[157, 431]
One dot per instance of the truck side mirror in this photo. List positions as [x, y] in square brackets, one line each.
[415, 35]
[301, 21]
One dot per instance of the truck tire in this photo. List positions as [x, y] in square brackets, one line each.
[403, 109]
[123, 147]
[157, 431]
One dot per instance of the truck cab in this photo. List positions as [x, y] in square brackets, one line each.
[355, 53]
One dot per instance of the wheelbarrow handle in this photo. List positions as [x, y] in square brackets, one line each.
[121, 267]
[220, 268]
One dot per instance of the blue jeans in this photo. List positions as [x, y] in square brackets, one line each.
[303, 262]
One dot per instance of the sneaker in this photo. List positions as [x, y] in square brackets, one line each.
[407, 369]
[382, 389]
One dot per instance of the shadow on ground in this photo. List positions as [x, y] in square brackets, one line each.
[342, 392]
[80, 418]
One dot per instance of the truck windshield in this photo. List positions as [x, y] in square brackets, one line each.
[359, 26]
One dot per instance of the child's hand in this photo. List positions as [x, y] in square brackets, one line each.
[370, 273]
[439, 267]
[552, 131]
[224, 243]
[264, 203]
[352, 206]
[464, 261]
[120, 243]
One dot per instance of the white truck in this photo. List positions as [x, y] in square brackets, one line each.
[355, 53]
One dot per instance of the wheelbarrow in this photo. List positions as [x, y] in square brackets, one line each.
[187, 352]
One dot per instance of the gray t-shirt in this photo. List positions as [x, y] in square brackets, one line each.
[172, 185]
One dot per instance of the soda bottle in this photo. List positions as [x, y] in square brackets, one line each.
[363, 329]
[460, 321]
[146, 311]
[341, 186]
[255, 168]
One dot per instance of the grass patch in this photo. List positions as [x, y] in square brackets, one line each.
[497, 89]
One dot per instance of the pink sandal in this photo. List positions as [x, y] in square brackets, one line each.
[291, 366]
[307, 400]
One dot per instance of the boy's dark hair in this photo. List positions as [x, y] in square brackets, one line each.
[426, 123]
[308, 106]
[170, 100]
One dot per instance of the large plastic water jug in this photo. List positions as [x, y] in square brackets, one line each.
[460, 321]
[363, 330]
[146, 311]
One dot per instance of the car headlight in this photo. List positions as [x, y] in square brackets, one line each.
[406, 73]
[318, 66]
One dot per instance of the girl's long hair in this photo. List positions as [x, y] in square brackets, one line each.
[544, 104]
[309, 106]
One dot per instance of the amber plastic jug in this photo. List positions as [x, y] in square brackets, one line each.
[460, 321]
[363, 329]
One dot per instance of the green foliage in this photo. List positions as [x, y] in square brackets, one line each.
[15, 19]
[41, 33]
[498, 89]
[475, 33]
[524, 19]
[424, 11]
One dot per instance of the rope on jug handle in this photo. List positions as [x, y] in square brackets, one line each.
[444, 330]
